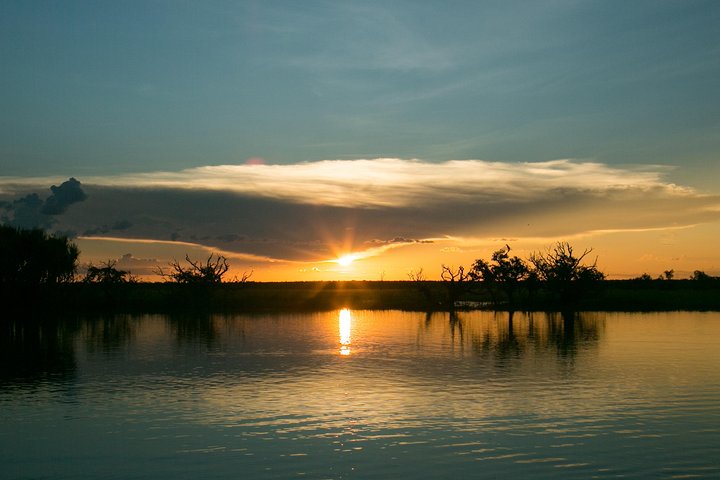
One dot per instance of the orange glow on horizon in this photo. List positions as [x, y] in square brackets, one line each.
[621, 255]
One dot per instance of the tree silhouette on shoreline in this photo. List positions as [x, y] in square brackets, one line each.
[32, 257]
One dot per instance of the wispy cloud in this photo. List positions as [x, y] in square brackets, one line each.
[392, 182]
[197, 246]
[373, 38]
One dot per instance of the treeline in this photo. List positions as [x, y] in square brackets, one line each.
[39, 270]
[556, 276]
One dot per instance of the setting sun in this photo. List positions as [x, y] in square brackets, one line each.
[346, 260]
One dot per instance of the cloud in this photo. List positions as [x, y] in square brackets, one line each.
[372, 39]
[62, 197]
[137, 266]
[321, 210]
[119, 225]
[396, 240]
[26, 212]
[30, 211]
[392, 182]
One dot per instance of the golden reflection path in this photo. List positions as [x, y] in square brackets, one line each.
[345, 324]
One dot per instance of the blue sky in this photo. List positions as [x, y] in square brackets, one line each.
[103, 87]
[108, 91]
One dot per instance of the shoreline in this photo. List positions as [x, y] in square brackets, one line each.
[426, 296]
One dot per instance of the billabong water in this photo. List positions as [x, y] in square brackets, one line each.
[362, 394]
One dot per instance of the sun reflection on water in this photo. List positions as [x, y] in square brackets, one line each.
[345, 323]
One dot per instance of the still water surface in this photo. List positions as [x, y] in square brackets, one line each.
[362, 394]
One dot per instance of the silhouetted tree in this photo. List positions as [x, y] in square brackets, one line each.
[667, 275]
[244, 277]
[645, 277]
[501, 272]
[212, 271]
[32, 257]
[418, 277]
[564, 273]
[700, 276]
[107, 274]
[456, 283]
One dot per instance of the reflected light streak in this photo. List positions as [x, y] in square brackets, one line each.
[345, 323]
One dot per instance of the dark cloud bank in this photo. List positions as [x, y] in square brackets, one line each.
[31, 211]
[290, 213]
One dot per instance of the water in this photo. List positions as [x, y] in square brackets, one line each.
[362, 394]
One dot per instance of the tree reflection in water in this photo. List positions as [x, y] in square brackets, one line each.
[110, 333]
[514, 334]
[33, 350]
[194, 328]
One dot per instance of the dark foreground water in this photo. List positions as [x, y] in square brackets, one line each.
[363, 394]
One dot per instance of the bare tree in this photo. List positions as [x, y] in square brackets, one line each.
[416, 275]
[564, 273]
[244, 277]
[456, 283]
[420, 281]
[211, 271]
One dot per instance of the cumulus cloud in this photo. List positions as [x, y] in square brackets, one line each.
[26, 212]
[137, 266]
[30, 211]
[62, 197]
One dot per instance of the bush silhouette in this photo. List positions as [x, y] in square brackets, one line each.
[32, 257]
[107, 274]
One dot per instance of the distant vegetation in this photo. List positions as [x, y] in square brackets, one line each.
[38, 270]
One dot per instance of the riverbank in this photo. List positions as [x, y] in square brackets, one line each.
[611, 295]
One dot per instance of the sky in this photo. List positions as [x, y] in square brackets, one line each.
[399, 135]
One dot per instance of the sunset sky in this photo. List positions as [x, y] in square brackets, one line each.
[399, 135]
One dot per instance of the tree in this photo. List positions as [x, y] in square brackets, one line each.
[503, 272]
[700, 276]
[564, 273]
[645, 277]
[33, 257]
[418, 277]
[107, 274]
[456, 282]
[667, 275]
[197, 273]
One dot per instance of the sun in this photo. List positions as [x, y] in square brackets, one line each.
[346, 260]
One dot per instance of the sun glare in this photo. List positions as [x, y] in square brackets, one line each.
[346, 260]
